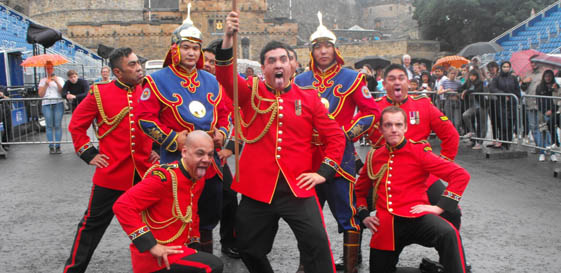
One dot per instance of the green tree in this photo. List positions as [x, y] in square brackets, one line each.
[456, 23]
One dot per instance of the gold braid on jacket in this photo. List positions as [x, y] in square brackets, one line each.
[273, 109]
[377, 177]
[111, 121]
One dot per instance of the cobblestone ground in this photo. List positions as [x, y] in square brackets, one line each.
[510, 224]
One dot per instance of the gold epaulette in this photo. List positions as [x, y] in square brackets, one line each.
[159, 166]
[422, 141]
[418, 97]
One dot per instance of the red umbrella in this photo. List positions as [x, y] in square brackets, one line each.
[554, 61]
[521, 61]
[42, 60]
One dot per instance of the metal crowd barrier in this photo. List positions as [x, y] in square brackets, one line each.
[22, 121]
[492, 117]
[541, 121]
[481, 117]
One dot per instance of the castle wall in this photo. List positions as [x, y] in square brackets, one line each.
[58, 14]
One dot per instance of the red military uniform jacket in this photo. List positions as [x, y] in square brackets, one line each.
[397, 176]
[162, 209]
[422, 118]
[287, 121]
[113, 106]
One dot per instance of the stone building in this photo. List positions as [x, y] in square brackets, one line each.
[146, 25]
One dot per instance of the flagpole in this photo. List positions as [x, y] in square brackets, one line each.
[236, 103]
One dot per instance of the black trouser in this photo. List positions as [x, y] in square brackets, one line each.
[257, 225]
[200, 262]
[430, 231]
[210, 203]
[91, 228]
[229, 208]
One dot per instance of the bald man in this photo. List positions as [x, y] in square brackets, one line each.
[170, 243]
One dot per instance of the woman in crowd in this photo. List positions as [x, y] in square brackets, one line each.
[50, 89]
[473, 107]
[505, 83]
[548, 108]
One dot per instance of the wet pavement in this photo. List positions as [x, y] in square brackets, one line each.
[511, 222]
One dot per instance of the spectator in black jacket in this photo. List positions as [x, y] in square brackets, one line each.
[75, 89]
[505, 83]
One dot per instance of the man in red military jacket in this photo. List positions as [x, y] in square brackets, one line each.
[422, 118]
[276, 177]
[124, 153]
[396, 174]
[159, 214]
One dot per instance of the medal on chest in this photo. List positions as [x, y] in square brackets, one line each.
[298, 107]
[414, 117]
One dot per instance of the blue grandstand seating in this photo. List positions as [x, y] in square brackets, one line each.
[541, 33]
[13, 35]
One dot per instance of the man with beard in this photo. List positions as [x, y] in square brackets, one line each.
[123, 156]
[276, 176]
[181, 98]
[156, 245]
[342, 91]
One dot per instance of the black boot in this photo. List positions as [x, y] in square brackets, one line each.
[429, 266]
[206, 241]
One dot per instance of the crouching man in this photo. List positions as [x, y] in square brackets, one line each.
[160, 216]
[396, 173]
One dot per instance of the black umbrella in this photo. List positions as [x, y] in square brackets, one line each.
[374, 61]
[104, 51]
[42, 35]
[480, 48]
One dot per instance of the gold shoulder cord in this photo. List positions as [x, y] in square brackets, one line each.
[175, 212]
[113, 121]
[274, 108]
[374, 177]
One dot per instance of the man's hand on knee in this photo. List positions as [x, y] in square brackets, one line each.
[426, 208]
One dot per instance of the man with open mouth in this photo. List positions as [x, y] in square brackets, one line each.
[170, 192]
[277, 177]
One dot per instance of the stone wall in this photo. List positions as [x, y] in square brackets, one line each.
[59, 13]
[148, 40]
[18, 5]
[393, 50]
